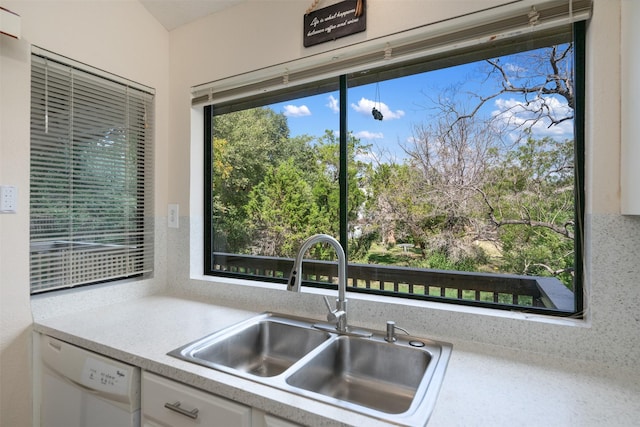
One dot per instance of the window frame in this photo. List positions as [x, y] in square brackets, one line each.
[578, 29]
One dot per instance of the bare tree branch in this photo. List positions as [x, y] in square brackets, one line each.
[562, 230]
[555, 272]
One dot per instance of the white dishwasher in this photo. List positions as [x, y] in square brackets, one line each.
[84, 389]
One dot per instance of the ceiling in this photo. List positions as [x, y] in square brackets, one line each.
[174, 13]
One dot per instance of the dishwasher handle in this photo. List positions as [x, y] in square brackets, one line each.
[193, 414]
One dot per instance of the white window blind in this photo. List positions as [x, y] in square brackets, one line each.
[91, 195]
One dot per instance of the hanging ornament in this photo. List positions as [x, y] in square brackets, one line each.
[377, 115]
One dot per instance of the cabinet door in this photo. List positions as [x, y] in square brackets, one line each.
[168, 403]
[261, 419]
[271, 421]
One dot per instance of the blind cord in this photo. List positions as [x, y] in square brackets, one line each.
[46, 96]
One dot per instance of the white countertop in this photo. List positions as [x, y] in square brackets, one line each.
[483, 386]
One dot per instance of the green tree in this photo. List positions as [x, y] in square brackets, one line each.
[263, 179]
[246, 144]
[531, 203]
[326, 186]
[399, 204]
[282, 211]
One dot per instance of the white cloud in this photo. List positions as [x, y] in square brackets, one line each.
[295, 111]
[333, 104]
[514, 68]
[364, 106]
[367, 157]
[365, 134]
[515, 113]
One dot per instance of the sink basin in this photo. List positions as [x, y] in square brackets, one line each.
[377, 375]
[264, 347]
[397, 382]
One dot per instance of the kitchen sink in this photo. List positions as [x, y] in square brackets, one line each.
[263, 347]
[377, 375]
[393, 381]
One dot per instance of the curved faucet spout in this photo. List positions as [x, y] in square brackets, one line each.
[295, 279]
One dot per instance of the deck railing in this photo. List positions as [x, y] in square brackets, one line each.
[464, 287]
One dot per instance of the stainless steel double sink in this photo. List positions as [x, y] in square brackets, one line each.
[394, 381]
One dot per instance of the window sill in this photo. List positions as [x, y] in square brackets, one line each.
[438, 308]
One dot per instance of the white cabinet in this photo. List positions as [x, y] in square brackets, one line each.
[171, 404]
[167, 403]
[260, 419]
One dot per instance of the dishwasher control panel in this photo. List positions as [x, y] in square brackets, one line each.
[105, 377]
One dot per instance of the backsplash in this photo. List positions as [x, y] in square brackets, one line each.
[608, 334]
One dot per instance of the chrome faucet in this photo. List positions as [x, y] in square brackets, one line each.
[339, 314]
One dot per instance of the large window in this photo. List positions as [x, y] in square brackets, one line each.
[91, 175]
[463, 178]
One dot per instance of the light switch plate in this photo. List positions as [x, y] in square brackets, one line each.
[174, 215]
[8, 199]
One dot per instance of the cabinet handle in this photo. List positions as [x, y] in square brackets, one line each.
[193, 414]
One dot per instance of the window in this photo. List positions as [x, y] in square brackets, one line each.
[453, 177]
[91, 175]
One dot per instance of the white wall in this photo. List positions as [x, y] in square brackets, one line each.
[116, 36]
[14, 239]
[263, 33]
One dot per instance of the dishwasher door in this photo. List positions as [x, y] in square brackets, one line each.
[83, 389]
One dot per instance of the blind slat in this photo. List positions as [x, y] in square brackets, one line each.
[91, 176]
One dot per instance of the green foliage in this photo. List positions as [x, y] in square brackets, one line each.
[399, 205]
[534, 209]
[440, 261]
[535, 251]
[360, 246]
[246, 143]
[270, 191]
[326, 184]
[282, 211]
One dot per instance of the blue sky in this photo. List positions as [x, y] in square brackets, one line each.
[404, 103]
[401, 102]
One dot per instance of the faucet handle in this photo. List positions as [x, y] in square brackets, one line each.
[331, 316]
[334, 314]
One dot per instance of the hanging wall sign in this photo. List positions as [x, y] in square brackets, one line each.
[335, 21]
